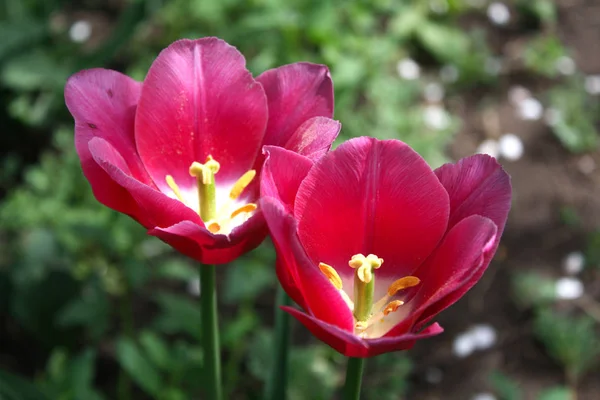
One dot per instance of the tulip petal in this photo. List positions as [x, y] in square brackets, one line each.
[155, 208]
[282, 174]
[199, 99]
[371, 196]
[351, 345]
[321, 298]
[314, 137]
[103, 104]
[295, 93]
[455, 266]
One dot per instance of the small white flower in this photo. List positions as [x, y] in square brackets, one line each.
[433, 92]
[517, 94]
[408, 69]
[573, 263]
[436, 117]
[484, 336]
[592, 84]
[568, 288]
[511, 147]
[490, 147]
[483, 396]
[565, 65]
[498, 13]
[449, 73]
[80, 31]
[463, 345]
[193, 287]
[552, 116]
[530, 109]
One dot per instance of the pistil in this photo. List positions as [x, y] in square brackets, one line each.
[364, 284]
[207, 196]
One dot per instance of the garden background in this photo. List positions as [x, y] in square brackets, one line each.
[91, 308]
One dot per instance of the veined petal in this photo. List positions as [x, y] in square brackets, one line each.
[295, 93]
[314, 137]
[282, 174]
[321, 298]
[199, 99]
[371, 196]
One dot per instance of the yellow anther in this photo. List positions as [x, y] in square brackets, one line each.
[241, 184]
[171, 183]
[402, 283]
[392, 306]
[247, 208]
[332, 275]
[213, 227]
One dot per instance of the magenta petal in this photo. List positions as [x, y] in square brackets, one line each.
[282, 174]
[371, 196]
[314, 137]
[296, 93]
[351, 345]
[155, 208]
[455, 266]
[320, 296]
[199, 99]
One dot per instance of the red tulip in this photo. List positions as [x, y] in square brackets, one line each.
[179, 152]
[372, 243]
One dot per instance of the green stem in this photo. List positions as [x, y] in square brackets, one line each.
[354, 373]
[277, 383]
[210, 332]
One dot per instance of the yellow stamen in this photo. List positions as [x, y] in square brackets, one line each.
[213, 227]
[174, 187]
[392, 306]
[248, 208]
[403, 283]
[332, 275]
[241, 184]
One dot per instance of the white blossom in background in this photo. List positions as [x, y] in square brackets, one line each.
[484, 396]
[565, 65]
[573, 263]
[408, 69]
[552, 116]
[586, 164]
[517, 94]
[463, 345]
[449, 73]
[193, 287]
[490, 147]
[484, 336]
[433, 375]
[498, 13]
[511, 147]
[80, 31]
[530, 109]
[436, 117]
[568, 288]
[592, 84]
[493, 65]
[433, 92]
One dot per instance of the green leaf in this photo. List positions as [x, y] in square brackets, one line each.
[157, 350]
[138, 366]
[505, 387]
[446, 43]
[13, 387]
[178, 315]
[556, 393]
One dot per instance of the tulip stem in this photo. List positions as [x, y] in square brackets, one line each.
[210, 332]
[354, 374]
[277, 383]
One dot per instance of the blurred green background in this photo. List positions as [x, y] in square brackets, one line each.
[92, 308]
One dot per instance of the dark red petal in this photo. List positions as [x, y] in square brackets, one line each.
[314, 137]
[295, 93]
[371, 196]
[197, 242]
[282, 174]
[455, 266]
[103, 104]
[199, 99]
[155, 208]
[351, 345]
[320, 297]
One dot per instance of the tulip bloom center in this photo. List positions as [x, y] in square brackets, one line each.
[218, 218]
[367, 313]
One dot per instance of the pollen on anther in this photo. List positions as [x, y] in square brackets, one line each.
[174, 187]
[392, 306]
[213, 227]
[331, 274]
[241, 184]
[247, 208]
[402, 283]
